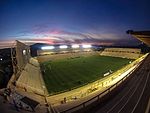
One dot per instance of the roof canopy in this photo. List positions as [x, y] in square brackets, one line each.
[143, 36]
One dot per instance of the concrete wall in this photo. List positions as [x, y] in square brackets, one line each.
[22, 54]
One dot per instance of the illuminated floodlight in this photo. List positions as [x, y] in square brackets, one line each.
[63, 46]
[86, 46]
[24, 52]
[47, 47]
[75, 46]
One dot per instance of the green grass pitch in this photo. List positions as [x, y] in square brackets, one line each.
[66, 74]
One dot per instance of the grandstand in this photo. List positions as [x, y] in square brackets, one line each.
[122, 52]
[31, 79]
[70, 49]
[65, 55]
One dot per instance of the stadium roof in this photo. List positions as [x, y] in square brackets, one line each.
[143, 36]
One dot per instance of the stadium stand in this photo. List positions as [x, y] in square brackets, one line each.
[41, 52]
[122, 52]
[65, 55]
[129, 53]
[31, 75]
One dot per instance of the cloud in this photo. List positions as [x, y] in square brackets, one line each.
[42, 33]
[7, 43]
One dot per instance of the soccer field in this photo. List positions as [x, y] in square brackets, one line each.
[66, 74]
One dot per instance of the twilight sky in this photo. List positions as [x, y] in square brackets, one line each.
[73, 21]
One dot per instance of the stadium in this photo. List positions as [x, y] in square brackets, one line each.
[79, 77]
[74, 56]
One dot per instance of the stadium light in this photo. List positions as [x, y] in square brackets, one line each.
[63, 46]
[47, 47]
[75, 46]
[86, 46]
[24, 52]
